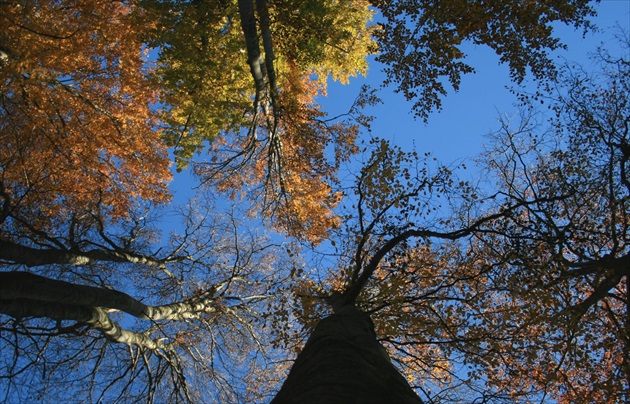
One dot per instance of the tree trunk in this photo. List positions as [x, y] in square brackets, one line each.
[23, 294]
[33, 257]
[342, 362]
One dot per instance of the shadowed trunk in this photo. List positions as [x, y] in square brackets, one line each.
[342, 362]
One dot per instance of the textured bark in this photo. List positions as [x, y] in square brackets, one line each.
[342, 362]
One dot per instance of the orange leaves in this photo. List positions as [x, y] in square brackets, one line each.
[308, 210]
[75, 111]
[269, 139]
[306, 168]
[558, 288]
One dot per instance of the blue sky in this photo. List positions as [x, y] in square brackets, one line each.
[457, 132]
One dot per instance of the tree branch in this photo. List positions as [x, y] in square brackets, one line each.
[354, 289]
[254, 58]
[17, 285]
[32, 257]
[94, 317]
[24, 286]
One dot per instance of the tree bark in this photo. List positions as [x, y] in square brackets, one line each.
[23, 294]
[254, 58]
[94, 317]
[16, 285]
[33, 257]
[22, 286]
[342, 362]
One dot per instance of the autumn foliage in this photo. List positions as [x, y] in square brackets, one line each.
[422, 45]
[506, 289]
[78, 133]
[263, 122]
[508, 292]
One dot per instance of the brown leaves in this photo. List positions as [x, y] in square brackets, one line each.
[558, 290]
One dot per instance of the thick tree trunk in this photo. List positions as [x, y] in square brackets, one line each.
[342, 362]
[33, 257]
[23, 294]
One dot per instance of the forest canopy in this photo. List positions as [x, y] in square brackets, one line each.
[511, 285]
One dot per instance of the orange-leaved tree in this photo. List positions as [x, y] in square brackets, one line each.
[289, 47]
[244, 76]
[398, 261]
[84, 163]
[558, 293]
[78, 134]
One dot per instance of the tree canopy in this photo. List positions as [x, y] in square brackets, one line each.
[514, 288]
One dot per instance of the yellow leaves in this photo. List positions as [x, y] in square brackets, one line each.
[77, 104]
[325, 37]
[207, 89]
[278, 136]
[206, 74]
[348, 46]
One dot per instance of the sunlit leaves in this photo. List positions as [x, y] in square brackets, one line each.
[329, 37]
[530, 299]
[266, 132]
[294, 169]
[77, 128]
[201, 69]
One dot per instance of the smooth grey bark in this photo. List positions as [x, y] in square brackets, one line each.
[265, 28]
[94, 317]
[254, 57]
[261, 67]
[23, 294]
[32, 257]
[342, 362]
